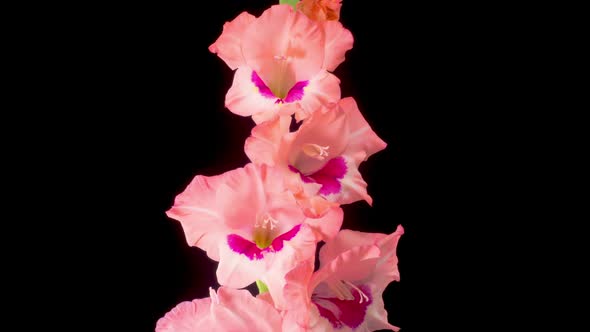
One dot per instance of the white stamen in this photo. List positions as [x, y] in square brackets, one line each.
[363, 296]
[280, 57]
[341, 291]
[267, 222]
[316, 151]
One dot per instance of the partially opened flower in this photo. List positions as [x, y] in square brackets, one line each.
[323, 155]
[321, 10]
[228, 310]
[345, 294]
[282, 60]
[250, 223]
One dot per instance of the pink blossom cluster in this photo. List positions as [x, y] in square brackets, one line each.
[263, 222]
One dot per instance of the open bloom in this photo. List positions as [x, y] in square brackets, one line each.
[321, 10]
[228, 310]
[283, 60]
[321, 157]
[345, 294]
[250, 223]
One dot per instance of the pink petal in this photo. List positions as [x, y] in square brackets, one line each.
[387, 270]
[195, 208]
[281, 32]
[228, 310]
[363, 141]
[315, 323]
[323, 129]
[291, 289]
[351, 265]
[300, 249]
[237, 270]
[228, 45]
[242, 196]
[244, 98]
[323, 90]
[346, 240]
[338, 41]
[314, 206]
[238, 310]
[187, 317]
[353, 187]
[211, 208]
[263, 144]
[376, 316]
[326, 227]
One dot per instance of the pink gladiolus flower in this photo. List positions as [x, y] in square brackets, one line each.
[345, 294]
[321, 158]
[321, 10]
[283, 61]
[250, 223]
[228, 310]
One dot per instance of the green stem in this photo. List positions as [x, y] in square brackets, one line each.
[289, 2]
[261, 287]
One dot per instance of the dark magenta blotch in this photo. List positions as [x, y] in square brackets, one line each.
[250, 249]
[328, 176]
[294, 94]
[262, 88]
[352, 312]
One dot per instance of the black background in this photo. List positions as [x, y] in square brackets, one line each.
[152, 103]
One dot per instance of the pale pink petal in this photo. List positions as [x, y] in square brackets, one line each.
[323, 91]
[315, 323]
[291, 289]
[338, 41]
[352, 186]
[263, 144]
[270, 265]
[380, 272]
[353, 264]
[228, 45]
[363, 141]
[244, 98]
[376, 316]
[314, 206]
[242, 196]
[299, 315]
[326, 227]
[236, 270]
[387, 270]
[195, 208]
[212, 208]
[300, 250]
[325, 129]
[187, 317]
[345, 240]
[285, 43]
[237, 310]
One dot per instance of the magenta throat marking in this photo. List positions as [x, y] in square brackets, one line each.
[328, 176]
[250, 249]
[294, 94]
[352, 312]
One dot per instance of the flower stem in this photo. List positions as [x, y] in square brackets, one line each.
[261, 287]
[289, 2]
